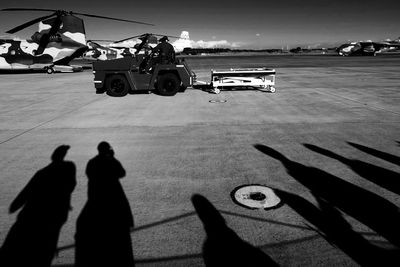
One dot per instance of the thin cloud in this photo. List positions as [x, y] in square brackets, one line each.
[215, 44]
[194, 44]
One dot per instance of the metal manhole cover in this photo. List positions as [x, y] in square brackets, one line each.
[256, 196]
[217, 101]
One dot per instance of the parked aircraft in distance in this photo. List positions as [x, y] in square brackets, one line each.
[367, 48]
[182, 43]
[60, 38]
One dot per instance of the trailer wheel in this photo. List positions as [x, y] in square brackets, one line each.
[168, 84]
[117, 85]
[49, 70]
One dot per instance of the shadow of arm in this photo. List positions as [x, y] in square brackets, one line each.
[23, 196]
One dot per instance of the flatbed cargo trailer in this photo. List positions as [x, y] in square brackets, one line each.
[244, 77]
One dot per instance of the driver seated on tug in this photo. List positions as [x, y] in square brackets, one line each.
[166, 52]
[163, 53]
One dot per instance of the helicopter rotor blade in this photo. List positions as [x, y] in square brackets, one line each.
[58, 12]
[132, 37]
[29, 23]
[100, 40]
[157, 34]
[103, 17]
[27, 9]
[141, 35]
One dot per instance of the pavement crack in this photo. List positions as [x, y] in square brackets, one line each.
[359, 102]
[46, 122]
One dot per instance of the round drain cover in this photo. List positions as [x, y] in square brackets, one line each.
[255, 196]
[217, 101]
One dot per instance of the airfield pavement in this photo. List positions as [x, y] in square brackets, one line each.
[346, 109]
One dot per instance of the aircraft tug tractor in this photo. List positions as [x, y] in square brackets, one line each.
[143, 71]
[118, 77]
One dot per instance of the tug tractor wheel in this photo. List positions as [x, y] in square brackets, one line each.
[168, 84]
[117, 85]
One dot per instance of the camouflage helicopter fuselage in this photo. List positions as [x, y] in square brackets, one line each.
[47, 46]
[100, 52]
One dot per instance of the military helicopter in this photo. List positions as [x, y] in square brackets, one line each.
[143, 45]
[150, 39]
[97, 51]
[60, 38]
[367, 48]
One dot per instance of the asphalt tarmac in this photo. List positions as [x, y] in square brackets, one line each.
[328, 140]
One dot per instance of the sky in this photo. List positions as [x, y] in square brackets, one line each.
[238, 24]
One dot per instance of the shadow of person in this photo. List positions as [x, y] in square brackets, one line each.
[377, 153]
[385, 178]
[337, 231]
[223, 247]
[367, 207]
[103, 228]
[45, 203]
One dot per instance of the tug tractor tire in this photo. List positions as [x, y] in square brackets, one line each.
[117, 85]
[168, 84]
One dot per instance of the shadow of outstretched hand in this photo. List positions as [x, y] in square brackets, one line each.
[223, 247]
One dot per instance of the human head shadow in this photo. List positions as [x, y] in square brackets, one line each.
[330, 223]
[223, 247]
[104, 225]
[44, 203]
[367, 207]
[388, 179]
[377, 153]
